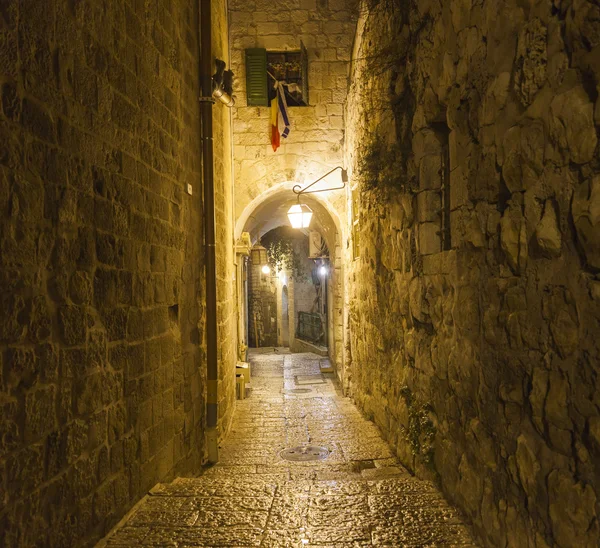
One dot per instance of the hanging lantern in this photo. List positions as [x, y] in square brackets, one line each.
[258, 255]
[300, 215]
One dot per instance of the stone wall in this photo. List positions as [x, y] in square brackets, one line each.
[315, 143]
[226, 270]
[475, 298]
[101, 367]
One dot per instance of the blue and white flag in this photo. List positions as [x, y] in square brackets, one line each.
[283, 110]
[280, 120]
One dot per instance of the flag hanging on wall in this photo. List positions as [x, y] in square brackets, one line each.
[280, 121]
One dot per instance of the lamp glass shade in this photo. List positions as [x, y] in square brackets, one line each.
[258, 255]
[300, 216]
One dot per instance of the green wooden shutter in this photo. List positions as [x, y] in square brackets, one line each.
[256, 77]
[304, 65]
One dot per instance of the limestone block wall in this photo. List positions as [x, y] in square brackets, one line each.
[335, 303]
[474, 304]
[305, 296]
[315, 144]
[101, 360]
[226, 271]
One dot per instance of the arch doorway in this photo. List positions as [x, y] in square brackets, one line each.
[313, 298]
[285, 319]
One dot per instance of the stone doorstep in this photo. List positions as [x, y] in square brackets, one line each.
[301, 345]
[326, 367]
[302, 380]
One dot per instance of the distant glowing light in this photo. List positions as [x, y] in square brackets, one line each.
[266, 269]
[300, 216]
[323, 270]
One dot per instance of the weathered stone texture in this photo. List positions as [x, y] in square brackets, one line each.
[101, 390]
[480, 361]
[254, 497]
[228, 340]
[315, 144]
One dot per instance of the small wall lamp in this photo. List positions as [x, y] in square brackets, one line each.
[299, 214]
[258, 253]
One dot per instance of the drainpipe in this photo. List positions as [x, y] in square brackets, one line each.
[206, 104]
[211, 88]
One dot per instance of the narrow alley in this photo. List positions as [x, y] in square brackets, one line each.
[345, 489]
[402, 197]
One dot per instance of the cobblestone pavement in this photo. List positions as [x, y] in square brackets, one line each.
[357, 496]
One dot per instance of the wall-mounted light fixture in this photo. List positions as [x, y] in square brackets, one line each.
[299, 214]
[258, 254]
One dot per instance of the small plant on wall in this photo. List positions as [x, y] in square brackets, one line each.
[381, 165]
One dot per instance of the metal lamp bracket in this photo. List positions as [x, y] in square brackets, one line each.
[299, 190]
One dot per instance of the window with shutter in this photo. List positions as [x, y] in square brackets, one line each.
[257, 93]
[264, 67]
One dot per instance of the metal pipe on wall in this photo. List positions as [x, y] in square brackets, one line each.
[206, 105]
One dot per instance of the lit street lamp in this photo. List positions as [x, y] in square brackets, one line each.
[300, 215]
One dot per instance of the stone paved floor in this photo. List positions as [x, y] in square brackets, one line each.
[357, 496]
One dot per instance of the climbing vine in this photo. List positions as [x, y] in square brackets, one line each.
[281, 256]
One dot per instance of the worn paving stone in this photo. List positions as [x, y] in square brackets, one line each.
[358, 496]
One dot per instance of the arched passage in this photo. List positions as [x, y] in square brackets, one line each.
[269, 211]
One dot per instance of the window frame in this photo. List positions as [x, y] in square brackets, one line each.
[259, 80]
[290, 99]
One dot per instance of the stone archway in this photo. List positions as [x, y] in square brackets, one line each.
[269, 211]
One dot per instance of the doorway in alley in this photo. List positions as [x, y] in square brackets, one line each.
[287, 297]
[311, 277]
[285, 320]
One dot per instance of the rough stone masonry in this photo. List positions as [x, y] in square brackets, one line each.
[101, 390]
[475, 296]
